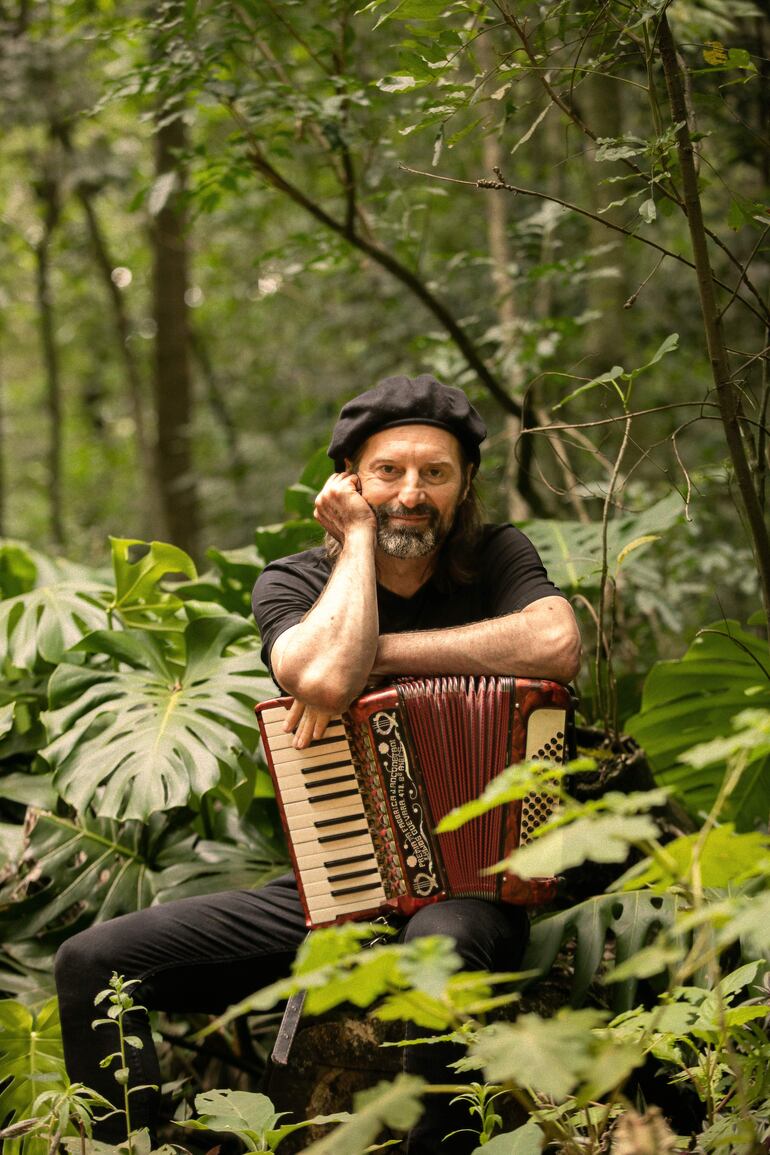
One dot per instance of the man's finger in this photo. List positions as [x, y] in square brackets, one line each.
[293, 715]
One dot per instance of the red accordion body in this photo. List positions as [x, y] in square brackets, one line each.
[360, 807]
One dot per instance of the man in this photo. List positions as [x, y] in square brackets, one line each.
[410, 582]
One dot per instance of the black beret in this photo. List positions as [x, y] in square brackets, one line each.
[406, 401]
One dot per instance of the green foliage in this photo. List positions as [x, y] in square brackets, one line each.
[627, 921]
[117, 996]
[395, 1105]
[41, 625]
[31, 1061]
[695, 700]
[95, 868]
[251, 1117]
[139, 570]
[553, 1057]
[572, 551]
[415, 981]
[149, 734]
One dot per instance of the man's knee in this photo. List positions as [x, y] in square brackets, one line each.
[82, 962]
[486, 935]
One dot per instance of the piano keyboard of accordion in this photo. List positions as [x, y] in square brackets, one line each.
[360, 806]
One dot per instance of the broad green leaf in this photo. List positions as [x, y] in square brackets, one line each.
[277, 541]
[724, 857]
[693, 700]
[31, 1060]
[146, 738]
[572, 551]
[607, 838]
[139, 568]
[95, 869]
[251, 1116]
[625, 920]
[526, 1140]
[396, 1105]
[549, 1056]
[29, 789]
[46, 621]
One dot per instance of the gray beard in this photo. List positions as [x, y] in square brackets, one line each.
[407, 542]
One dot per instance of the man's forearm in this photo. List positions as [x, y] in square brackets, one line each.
[325, 660]
[541, 641]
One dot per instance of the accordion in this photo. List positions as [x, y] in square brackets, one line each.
[360, 805]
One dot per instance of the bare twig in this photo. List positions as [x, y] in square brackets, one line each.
[503, 185]
[633, 298]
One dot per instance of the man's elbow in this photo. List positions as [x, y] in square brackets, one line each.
[565, 655]
[331, 694]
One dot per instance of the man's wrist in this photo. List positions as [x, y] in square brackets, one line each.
[361, 533]
[383, 659]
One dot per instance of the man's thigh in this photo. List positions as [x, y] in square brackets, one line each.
[202, 953]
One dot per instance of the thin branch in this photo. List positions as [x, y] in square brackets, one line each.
[502, 185]
[385, 260]
[634, 296]
[746, 265]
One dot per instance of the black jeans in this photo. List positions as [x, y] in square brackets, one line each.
[204, 954]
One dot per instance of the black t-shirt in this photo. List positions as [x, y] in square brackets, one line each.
[511, 576]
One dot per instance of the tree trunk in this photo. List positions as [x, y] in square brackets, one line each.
[172, 379]
[148, 511]
[48, 195]
[606, 294]
[518, 480]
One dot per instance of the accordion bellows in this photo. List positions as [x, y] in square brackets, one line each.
[360, 806]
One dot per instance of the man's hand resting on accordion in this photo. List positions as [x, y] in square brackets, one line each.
[307, 722]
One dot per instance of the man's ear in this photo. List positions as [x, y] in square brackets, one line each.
[468, 480]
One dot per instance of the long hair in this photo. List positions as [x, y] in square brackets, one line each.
[458, 559]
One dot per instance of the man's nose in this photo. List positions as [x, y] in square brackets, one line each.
[412, 491]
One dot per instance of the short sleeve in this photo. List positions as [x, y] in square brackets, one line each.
[513, 574]
[283, 594]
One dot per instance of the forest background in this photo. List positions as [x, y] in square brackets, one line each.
[222, 220]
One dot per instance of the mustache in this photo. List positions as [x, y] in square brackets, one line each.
[397, 510]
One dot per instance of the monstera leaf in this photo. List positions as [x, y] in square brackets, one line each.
[47, 621]
[627, 919]
[139, 569]
[696, 699]
[153, 732]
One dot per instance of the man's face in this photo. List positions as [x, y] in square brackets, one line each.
[414, 479]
